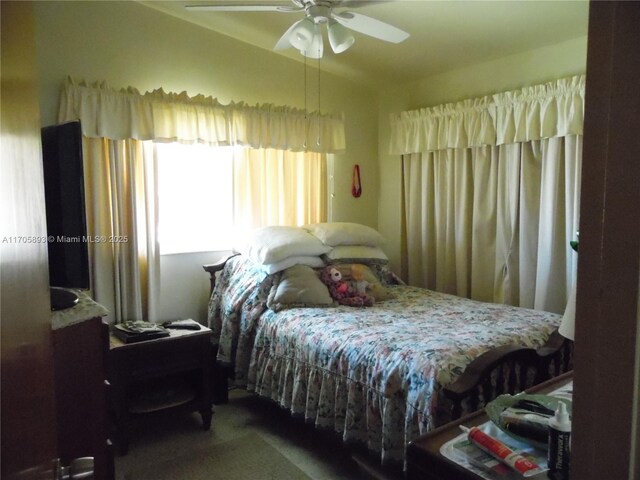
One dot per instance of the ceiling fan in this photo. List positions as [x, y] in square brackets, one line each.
[306, 35]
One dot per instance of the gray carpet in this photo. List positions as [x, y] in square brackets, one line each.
[245, 458]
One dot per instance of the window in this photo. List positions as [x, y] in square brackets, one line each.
[210, 196]
[195, 190]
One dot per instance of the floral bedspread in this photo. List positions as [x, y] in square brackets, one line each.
[371, 374]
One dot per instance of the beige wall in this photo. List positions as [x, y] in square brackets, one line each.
[503, 74]
[127, 44]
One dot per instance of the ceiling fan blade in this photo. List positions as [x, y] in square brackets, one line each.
[360, 3]
[284, 42]
[243, 8]
[371, 26]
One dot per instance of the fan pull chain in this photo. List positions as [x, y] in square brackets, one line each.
[319, 115]
[306, 120]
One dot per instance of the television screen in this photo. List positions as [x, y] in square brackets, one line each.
[64, 198]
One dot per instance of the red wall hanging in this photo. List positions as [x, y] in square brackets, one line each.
[356, 185]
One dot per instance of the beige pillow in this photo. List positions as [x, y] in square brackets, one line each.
[269, 245]
[271, 268]
[353, 253]
[345, 233]
[299, 286]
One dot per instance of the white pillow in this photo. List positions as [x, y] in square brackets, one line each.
[345, 233]
[273, 244]
[356, 252]
[269, 268]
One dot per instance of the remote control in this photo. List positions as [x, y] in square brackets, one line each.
[181, 326]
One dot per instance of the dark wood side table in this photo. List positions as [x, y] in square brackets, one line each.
[165, 374]
[424, 460]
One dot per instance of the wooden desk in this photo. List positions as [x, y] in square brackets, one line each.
[424, 461]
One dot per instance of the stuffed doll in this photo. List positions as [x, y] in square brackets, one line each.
[341, 291]
[358, 280]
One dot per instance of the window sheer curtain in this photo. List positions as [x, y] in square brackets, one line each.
[278, 187]
[119, 128]
[491, 194]
[121, 199]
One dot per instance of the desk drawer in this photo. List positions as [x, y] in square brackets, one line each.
[160, 358]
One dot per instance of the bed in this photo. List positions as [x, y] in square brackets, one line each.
[376, 375]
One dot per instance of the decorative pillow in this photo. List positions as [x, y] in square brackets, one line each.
[353, 253]
[299, 286]
[270, 268]
[274, 244]
[344, 233]
[385, 274]
[374, 287]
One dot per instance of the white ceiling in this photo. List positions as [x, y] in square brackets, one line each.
[445, 34]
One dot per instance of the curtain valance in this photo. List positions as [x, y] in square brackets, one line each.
[553, 109]
[105, 112]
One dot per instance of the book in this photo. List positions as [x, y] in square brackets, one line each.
[132, 332]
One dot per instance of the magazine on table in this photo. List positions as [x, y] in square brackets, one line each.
[468, 455]
[138, 331]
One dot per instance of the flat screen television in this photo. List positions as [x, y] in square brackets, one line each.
[66, 217]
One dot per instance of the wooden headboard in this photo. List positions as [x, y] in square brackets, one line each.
[214, 268]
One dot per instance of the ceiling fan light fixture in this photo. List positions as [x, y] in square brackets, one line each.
[316, 48]
[302, 35]
[339, 37]
[305, 36]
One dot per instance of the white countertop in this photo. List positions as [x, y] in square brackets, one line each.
[85, 309]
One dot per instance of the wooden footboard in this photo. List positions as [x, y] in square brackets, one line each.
[507, 370]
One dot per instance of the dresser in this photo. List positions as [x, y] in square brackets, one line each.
[80, 346]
